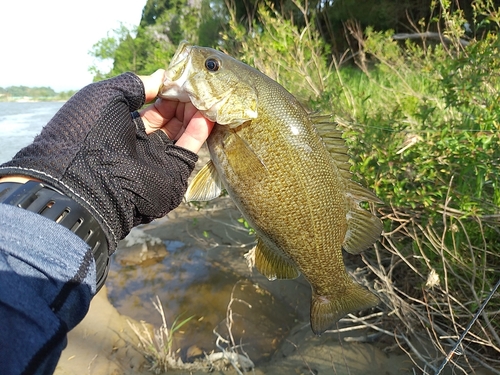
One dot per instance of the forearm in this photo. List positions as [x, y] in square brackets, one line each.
[48, 278]
[100, 168]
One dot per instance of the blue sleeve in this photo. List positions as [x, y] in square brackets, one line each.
[47, 279]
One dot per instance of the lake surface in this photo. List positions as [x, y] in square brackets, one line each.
[20, 122]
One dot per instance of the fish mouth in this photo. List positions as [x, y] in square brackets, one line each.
[174, 78]
[177, 65]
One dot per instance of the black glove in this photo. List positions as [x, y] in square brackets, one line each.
[96, 151]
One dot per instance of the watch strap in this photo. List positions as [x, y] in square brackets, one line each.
[46, 201]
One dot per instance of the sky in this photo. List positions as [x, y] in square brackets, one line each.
[46, 43]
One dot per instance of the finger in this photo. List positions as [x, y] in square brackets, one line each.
[172, 117]
[184, 113]
[196, 133]
[157, 115]
[152, 84]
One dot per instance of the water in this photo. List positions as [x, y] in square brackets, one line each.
[20, 122]
[198, 272]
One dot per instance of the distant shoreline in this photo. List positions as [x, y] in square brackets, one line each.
[27, 99]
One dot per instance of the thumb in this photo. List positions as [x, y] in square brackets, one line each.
[152, 84]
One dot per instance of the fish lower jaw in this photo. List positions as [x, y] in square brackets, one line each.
[173, 91]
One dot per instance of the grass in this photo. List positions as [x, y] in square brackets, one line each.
[429, 148]
[157, 346]
[422, 121]
[430, 295]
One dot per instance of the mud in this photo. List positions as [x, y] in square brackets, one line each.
[193, 259]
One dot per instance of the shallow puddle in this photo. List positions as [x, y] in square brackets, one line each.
[199, 282]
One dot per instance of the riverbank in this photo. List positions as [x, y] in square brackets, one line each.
[193, 260]
[104, 343]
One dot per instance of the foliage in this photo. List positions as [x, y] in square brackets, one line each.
[431, 120]
[158, 346]
[422, 119]
[292, 56]
[35, 93]
[417, 118]
[150, 46]
[422, 122]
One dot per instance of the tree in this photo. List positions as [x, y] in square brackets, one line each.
[163, 26]
[119, 49]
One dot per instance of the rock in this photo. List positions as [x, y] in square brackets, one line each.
[194, 352]
[139, 247]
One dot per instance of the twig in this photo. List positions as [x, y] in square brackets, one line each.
[429, 35]
[235, 359]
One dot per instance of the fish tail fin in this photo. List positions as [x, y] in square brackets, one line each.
[328, 309]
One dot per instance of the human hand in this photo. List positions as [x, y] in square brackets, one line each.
[180, 121]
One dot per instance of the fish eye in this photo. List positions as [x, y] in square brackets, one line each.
[212, 64]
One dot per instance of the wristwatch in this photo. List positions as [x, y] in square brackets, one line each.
[46, 201]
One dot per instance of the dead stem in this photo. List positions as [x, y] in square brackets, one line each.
[428, 314]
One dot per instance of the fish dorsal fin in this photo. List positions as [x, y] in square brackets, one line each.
[273, 264]
[334, 143]
[363, 228]
[360, 194]
[241, 157]
[206, 185]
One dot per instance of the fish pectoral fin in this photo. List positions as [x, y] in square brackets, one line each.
[272, 264]
[327, 310]
[206, 185]
[242, 159]
[363, 229]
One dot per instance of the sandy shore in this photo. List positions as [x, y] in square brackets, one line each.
[104, 344]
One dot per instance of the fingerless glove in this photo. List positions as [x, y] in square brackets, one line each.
[96, 151]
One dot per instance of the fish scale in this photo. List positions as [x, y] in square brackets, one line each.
[286, 172]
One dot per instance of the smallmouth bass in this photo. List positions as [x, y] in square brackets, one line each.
[287, 171]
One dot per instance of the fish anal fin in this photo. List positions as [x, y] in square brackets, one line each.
[272, 264]
[363, 229]
[206, 185]
[327, 310]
